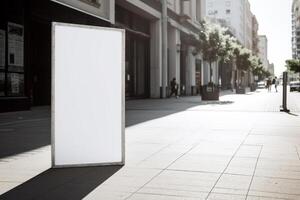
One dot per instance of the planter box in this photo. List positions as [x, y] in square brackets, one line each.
[210, 93]
[241, 90]
[253, 88]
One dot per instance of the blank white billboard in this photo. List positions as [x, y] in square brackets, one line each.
[87, 95]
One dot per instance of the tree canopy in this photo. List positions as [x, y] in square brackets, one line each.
[243, 58]
[293, 65]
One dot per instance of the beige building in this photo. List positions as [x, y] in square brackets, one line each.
[296, 29]
[263, 50]
[171, 51]
[236, 14]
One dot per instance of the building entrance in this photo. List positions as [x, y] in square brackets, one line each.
[40, 59]
[137, 72]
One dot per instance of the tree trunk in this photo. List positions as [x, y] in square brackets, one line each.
[210, 72]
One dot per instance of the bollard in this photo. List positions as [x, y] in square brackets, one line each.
[284, 93]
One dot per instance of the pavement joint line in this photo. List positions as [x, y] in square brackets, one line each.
[273, 177]
[156, 152]
[165, 147]
[161, 171]
[254, 172]
[184, 190]
[297, 152]
[283, 193]
[167, 195]
[223, 172]
[192, 171]
[268, 197]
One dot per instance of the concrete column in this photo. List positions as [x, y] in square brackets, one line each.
[216, 73]
[164, 48]
[155, 59]
[206, 73]
[174, 54]
[190, 71]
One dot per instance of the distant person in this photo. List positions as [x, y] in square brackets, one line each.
[269, 84]
[276, 83]
[174, 88]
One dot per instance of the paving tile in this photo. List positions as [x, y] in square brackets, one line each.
[289, 169]
[261, 198]
[6, 186]
[128, 179]
[192, 184]
[215, 196]
[204, 163]
[233, 184]
[165, 157]
[161, 197]
[251, 151]
[215, 148]
[242, 166]
[275, 188]
[107, 195]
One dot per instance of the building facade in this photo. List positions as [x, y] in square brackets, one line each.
[263, 50]
[255, 38]
[25, 28]
[237, 16]
[296, 29]
[272, 69]
[25, 39]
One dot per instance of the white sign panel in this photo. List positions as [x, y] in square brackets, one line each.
[87, 95]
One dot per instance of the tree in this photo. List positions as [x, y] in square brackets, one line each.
[257, 67]
[293, 65]
[242, 59]
[213, 44]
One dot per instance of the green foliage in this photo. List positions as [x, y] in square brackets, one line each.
[293, 65]
[242, 58]
[213, 42]
[258, 69]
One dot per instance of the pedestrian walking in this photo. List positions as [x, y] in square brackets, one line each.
[174, 88]
[269, 84]
[276, 83]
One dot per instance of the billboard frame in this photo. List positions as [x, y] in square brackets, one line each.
[122, 162]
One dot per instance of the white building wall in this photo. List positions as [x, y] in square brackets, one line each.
[296, 29]
[263, 50]
[236, 14]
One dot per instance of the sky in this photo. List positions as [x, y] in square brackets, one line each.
[274, 18]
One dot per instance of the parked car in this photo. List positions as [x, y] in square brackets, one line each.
[261, 85]
[295, 86]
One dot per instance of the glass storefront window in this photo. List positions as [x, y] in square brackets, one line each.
[15, 84]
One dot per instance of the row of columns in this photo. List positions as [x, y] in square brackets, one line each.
[165, 63]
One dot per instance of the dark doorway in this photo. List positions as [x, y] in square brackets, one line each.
[40, 59]
[183, 57]
[137, 67]
[198, 75]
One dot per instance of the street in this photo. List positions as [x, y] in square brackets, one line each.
[240, 147]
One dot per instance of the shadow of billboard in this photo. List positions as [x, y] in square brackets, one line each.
[69, 183]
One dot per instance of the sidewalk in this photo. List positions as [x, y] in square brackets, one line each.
[238, 148]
